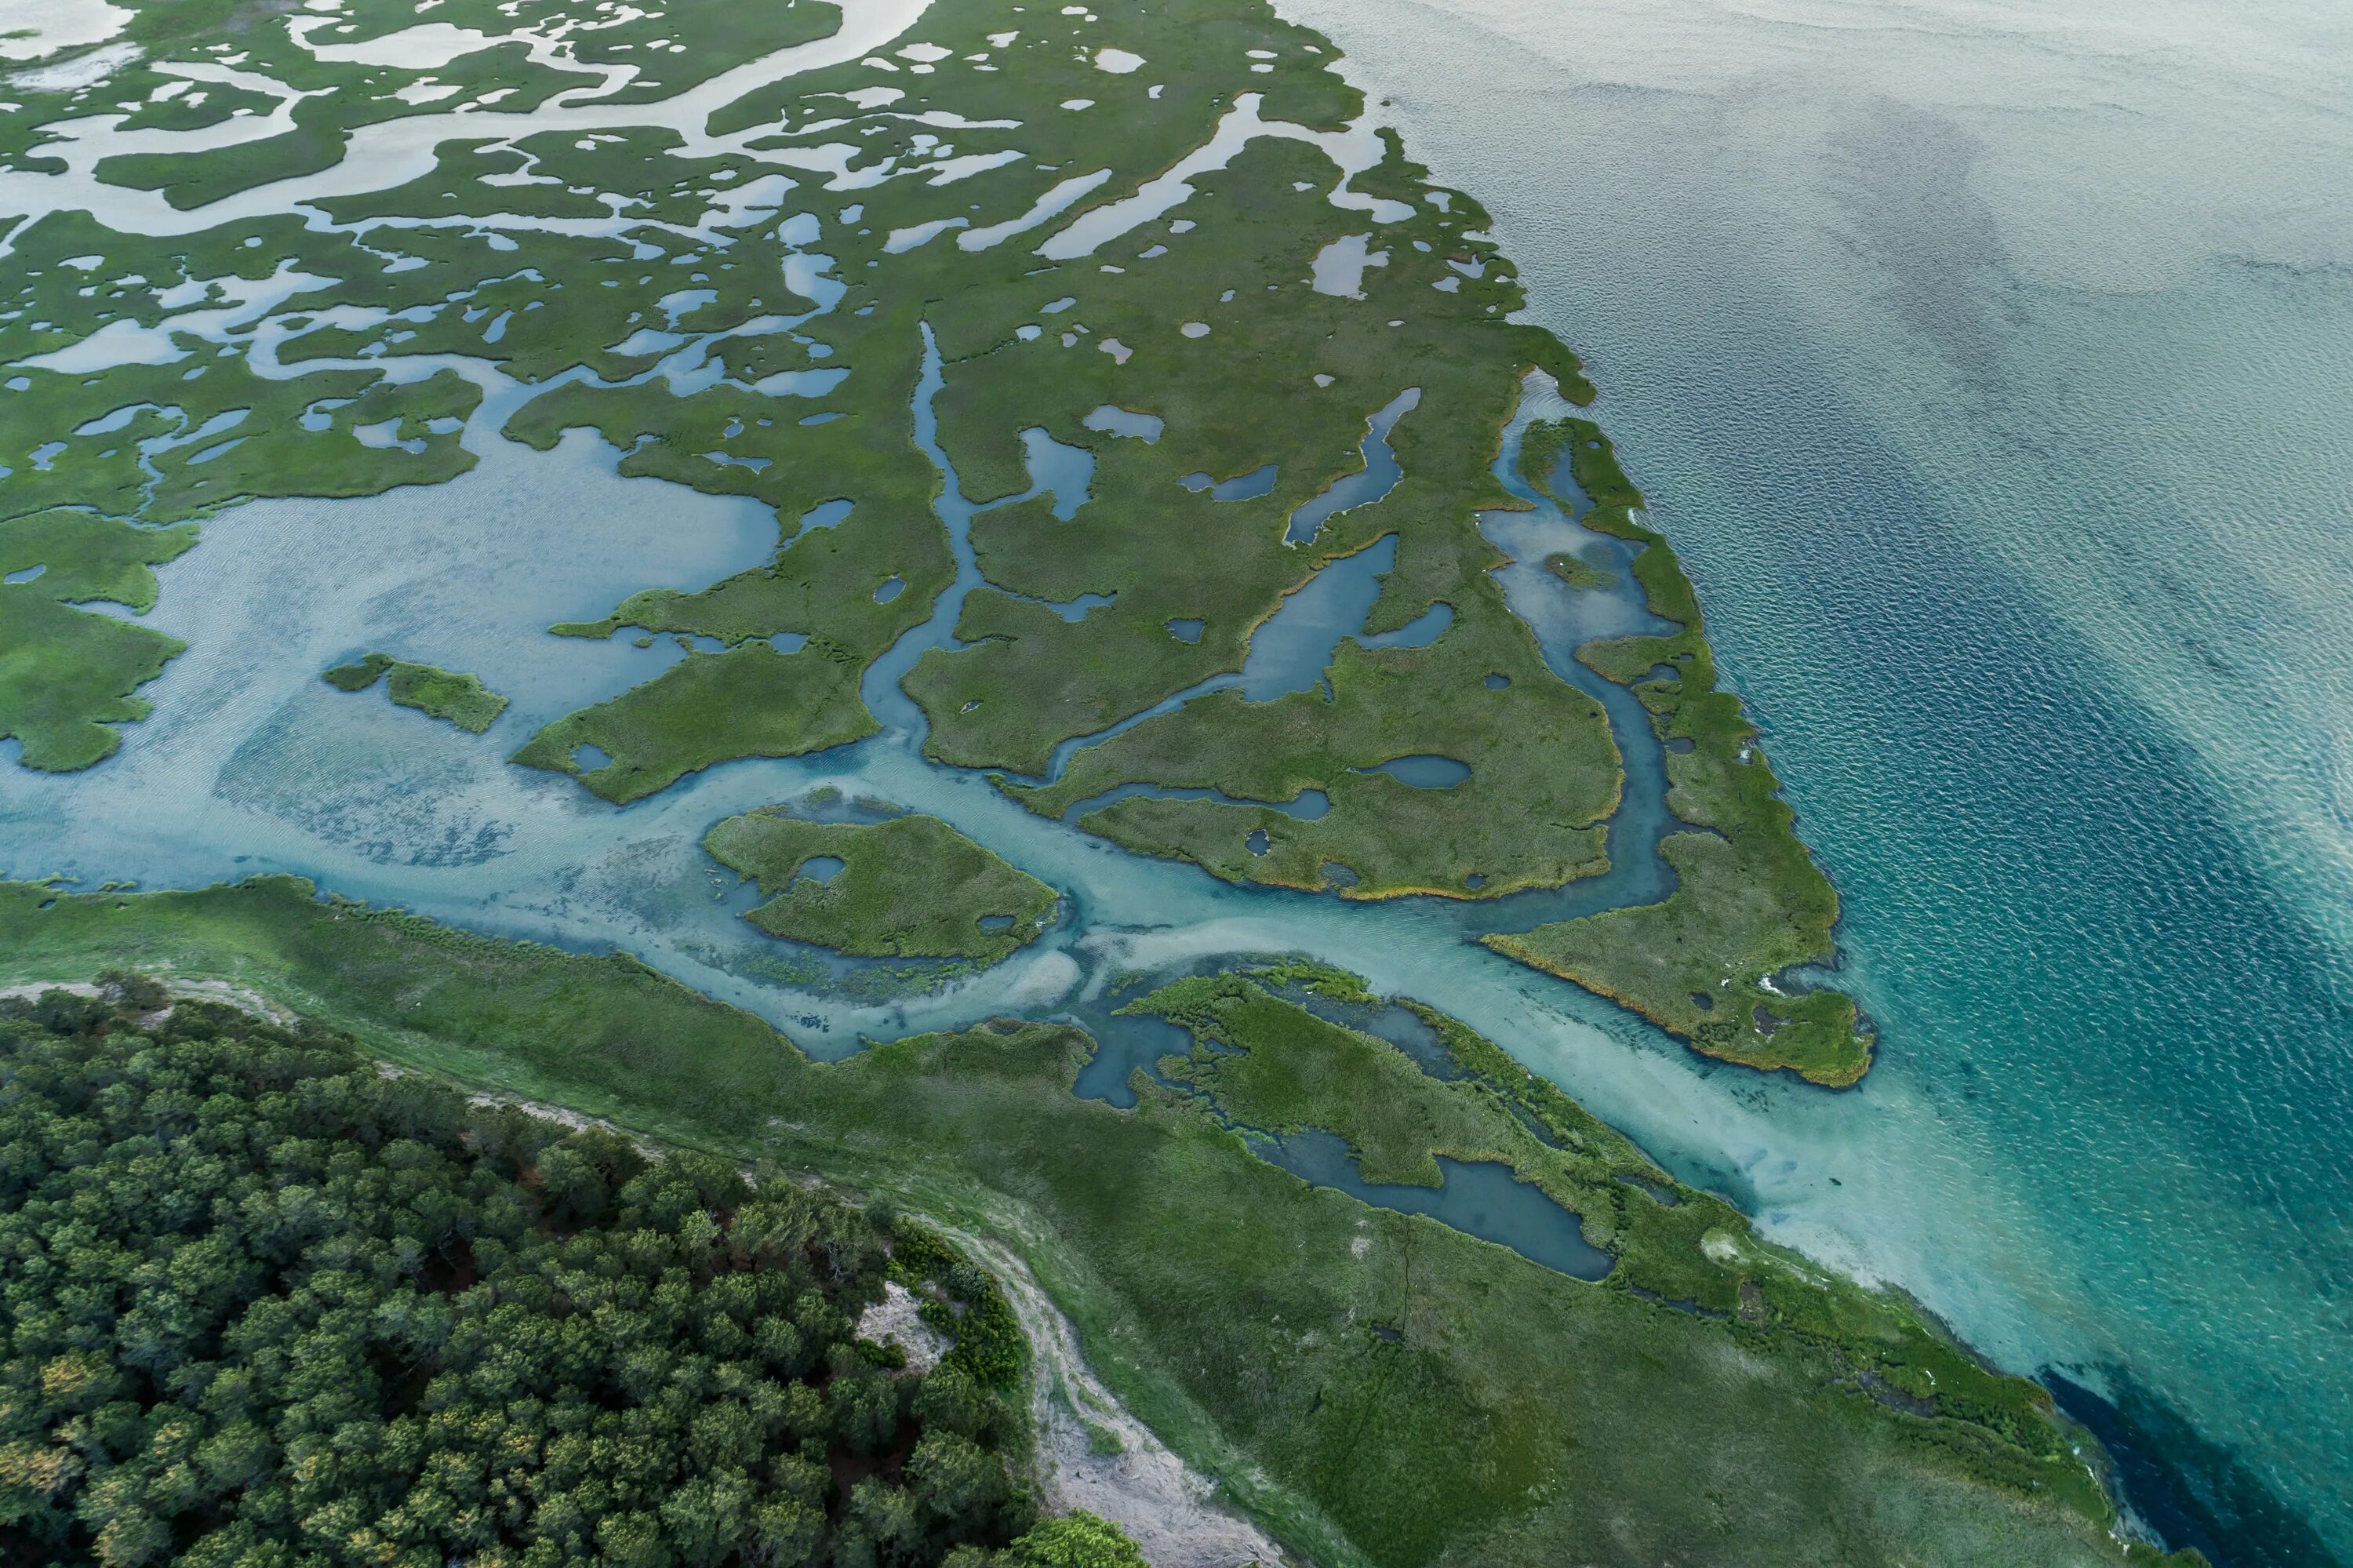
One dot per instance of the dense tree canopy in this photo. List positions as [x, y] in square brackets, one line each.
[263, 1305]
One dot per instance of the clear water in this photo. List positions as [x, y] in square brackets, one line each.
[1401, 1026]
[1247, 486]
[1114, 421]
[1062, 471]
[1367, 484]
[1480, 1198]
[1426, 770]
[1339, 267]
[1988, 364]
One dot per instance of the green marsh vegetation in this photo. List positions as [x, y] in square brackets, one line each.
[1544, 772]
[1029, 678]
[1233, 399]
[1235, 259]
[169, 441]
[1577, 572]
[1543, 769]
[1749, 903]
[319, 1314]
[1380, 1389]
[341, 96]
[67, 676]
[1241, 395]
[459, 699]
[908, 886]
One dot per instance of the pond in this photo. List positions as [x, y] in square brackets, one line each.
[1479, 1198]
[1423, 772]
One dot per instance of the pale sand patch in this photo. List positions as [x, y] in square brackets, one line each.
[1169, 1510]
[896, 1319]
[236, 996]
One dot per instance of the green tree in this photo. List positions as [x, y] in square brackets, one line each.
[1075, 1539]
[263, 1307]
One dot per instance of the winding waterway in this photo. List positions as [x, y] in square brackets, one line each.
[2023, 538]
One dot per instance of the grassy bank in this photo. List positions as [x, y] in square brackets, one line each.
[750, 701]
[69, 676]
[1379, 1388]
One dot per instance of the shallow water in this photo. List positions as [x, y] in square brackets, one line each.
[1480, 1198]
[1367, 484]
[1247, 486]
[1401, 1026]
[1424, 770]
[1339, 267]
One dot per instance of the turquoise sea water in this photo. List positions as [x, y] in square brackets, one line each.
[1991, 366]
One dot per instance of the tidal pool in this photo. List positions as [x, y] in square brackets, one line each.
[1367, 484]
[1114, 421]
[1425, 771]
[1247, 486]
[1480, 1198]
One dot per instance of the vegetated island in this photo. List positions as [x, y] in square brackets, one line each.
[1577, 571]
[1749, 903]
[67, 675]
[323, 1314]
[1376, 1387]
[908, 886]
[459, 699]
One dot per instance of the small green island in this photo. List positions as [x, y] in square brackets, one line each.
[904, 887]
[1577, 572]
[446, 695]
